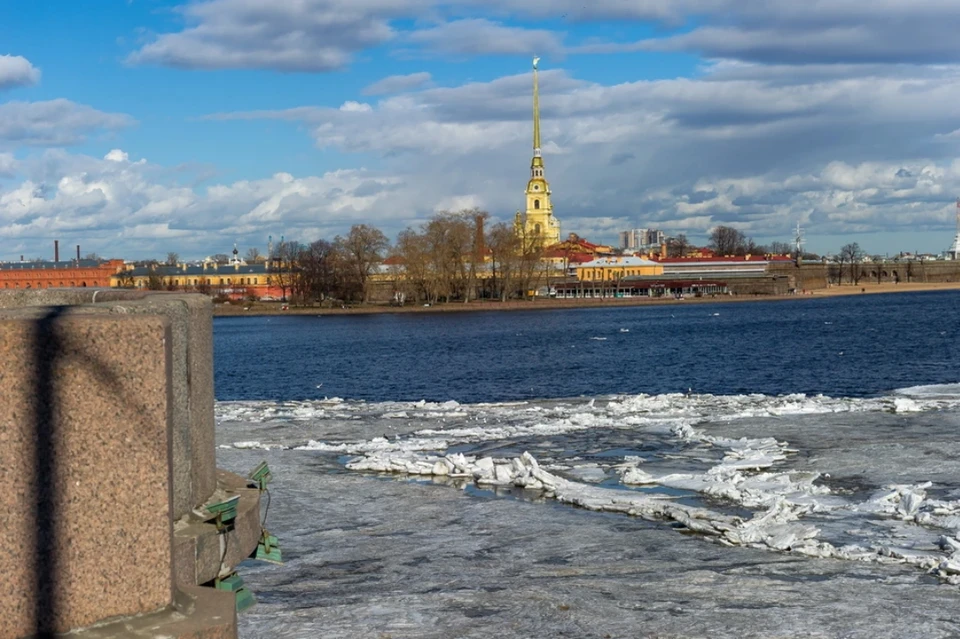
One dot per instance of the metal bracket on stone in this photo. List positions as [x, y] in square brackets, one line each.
[223, 513]
[260, 476]
[234, 583]
[268, 548]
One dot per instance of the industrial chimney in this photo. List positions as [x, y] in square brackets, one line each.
[78, 252]
[56, 251]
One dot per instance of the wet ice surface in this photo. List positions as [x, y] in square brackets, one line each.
[430, 555]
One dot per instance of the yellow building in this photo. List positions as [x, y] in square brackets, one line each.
[233, 280]
[607, 269]
[537, 221]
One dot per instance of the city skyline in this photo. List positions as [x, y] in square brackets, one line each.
[143, 127]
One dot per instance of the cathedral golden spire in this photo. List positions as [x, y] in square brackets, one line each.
[536, 111]
[536, 221]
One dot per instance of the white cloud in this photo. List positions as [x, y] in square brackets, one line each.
[838, 113]
[479, 36]
[398, 84]
[355, 107]
[16, 71]
[323, 35]
[731, 147]
[286, 35]
[54, 122]
[8, 164]
[135, 209]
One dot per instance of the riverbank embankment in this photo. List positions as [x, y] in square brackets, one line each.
[276, 308]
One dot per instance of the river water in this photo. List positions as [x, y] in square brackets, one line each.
[770, 469]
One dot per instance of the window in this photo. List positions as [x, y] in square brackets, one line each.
[536, 204]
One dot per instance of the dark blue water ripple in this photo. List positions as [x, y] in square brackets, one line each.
[844, 346]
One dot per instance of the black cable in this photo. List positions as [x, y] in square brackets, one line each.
[263, 522]
[226, 545]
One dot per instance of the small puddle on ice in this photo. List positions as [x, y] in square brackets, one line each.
[622, 452]
[494, 492]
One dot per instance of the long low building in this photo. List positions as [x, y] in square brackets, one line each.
[605, 269]
[639, 287]
[719, 267]
[229, 280]
[69, 274]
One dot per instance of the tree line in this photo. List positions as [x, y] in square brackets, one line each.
[726, 240]
[452, 256]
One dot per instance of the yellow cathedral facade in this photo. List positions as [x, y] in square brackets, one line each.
[537, 221]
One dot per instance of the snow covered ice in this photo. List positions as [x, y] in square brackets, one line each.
[674, 515]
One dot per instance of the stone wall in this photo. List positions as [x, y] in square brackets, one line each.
[106, 452]
[816, 275]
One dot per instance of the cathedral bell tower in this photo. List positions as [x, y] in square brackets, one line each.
[537, 220]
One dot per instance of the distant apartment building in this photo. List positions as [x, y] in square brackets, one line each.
[636, 239]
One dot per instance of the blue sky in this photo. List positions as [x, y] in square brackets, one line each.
[145, 126]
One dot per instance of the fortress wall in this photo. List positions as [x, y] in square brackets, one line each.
[814, 275]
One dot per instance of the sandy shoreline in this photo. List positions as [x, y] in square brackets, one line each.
[274, 308]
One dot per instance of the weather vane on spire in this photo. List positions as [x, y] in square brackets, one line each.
[535, 61]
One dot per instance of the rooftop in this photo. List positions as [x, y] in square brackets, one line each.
[627, 260]
[45, 265]
[199, 270]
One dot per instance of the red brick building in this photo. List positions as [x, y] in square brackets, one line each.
[75, 273]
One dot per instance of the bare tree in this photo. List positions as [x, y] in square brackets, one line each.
[853, 255]
[173, 259]
[316, 277]
[677, 246]
[530, 266]
[451, 240]
[155, 282]
[726, 240]
[125, 279]
[780, 248]
[504, 248]
[836, 269]
[414, 274]
[363, 250]
[282, 269]
[253, 255]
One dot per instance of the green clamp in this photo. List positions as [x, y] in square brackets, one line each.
[268, 549]
[223, 512]
[234, 583]
[261, 475]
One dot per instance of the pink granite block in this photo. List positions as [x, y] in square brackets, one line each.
[85, 448]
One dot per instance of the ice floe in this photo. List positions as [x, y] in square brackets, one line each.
[746, 493]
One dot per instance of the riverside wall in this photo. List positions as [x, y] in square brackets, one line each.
[108, 461]
[817, 275]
